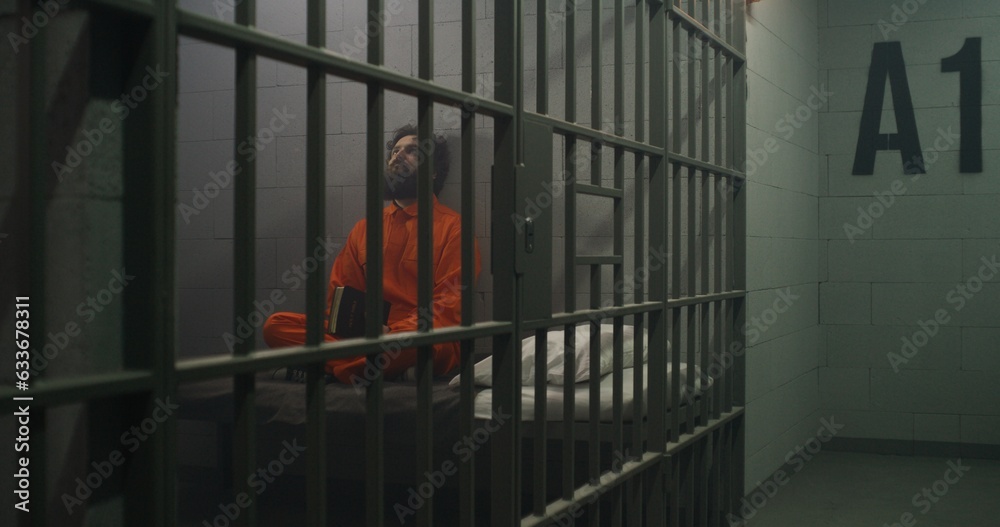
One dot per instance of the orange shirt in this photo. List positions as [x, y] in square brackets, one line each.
[399, 282]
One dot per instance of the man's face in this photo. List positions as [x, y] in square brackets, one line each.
[401, 169]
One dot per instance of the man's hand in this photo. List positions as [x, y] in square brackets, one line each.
[385, 329]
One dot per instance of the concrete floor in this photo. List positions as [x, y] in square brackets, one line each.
[837, 489]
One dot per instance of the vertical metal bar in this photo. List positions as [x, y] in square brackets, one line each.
[569, 401]
[719, 195]
[375, 158]
[541, 437]
[654, 486]
[594, 418]
[704, 309]
[542, 58]
[634, 486]
[315, 282]
[675, 235]
[505, 491]
[425, 254]
[467, 480]
[618, 269]
[596, 87]
[596, 118]
[717, 482]
[569, 255]
[706, 195]
[692, 206]
[731, 132]
[570, 58]
[244, 388]
[163, 487]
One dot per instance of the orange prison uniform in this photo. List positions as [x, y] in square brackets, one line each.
[399, 287]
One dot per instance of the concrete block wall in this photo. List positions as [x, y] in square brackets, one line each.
[783, 332]
[907, 273]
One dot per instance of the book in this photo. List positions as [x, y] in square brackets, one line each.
[347, 313]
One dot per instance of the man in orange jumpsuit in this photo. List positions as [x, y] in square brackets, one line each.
[399, 277]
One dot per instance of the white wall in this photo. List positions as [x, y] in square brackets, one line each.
[783, 343]
[879, 284]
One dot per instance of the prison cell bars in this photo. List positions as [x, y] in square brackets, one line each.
[320, 62]
[375, 169]
[695, 306]
[506, 110]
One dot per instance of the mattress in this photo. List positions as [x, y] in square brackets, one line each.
[554, 397]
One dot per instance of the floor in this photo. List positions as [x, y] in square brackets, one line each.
[837, 489]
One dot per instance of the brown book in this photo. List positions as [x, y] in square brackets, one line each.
[347, 313]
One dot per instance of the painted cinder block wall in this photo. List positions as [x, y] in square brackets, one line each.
[888, 272]
[783, 333]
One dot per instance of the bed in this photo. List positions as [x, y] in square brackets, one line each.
[207, 410]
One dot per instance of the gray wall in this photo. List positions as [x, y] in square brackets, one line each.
[783, 333]
[879, 284]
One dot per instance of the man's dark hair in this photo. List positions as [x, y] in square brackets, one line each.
[442, 155]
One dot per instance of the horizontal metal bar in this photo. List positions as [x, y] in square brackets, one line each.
[590, 493]
[594, 190]
[686, 440]
[51, 392]
[704, 299]
[583, 132]
[599, 260]
[135, 7]
[713, 40]
[261, 360]
[706, 166]
[586, 315]
[271, 46]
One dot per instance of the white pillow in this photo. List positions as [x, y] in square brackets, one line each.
[556, 354]
[557, 375]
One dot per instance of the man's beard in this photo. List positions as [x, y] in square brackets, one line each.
[400, 183]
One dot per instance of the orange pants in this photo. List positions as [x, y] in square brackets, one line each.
[289, 329]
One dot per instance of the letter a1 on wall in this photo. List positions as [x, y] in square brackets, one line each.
[887, 60]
